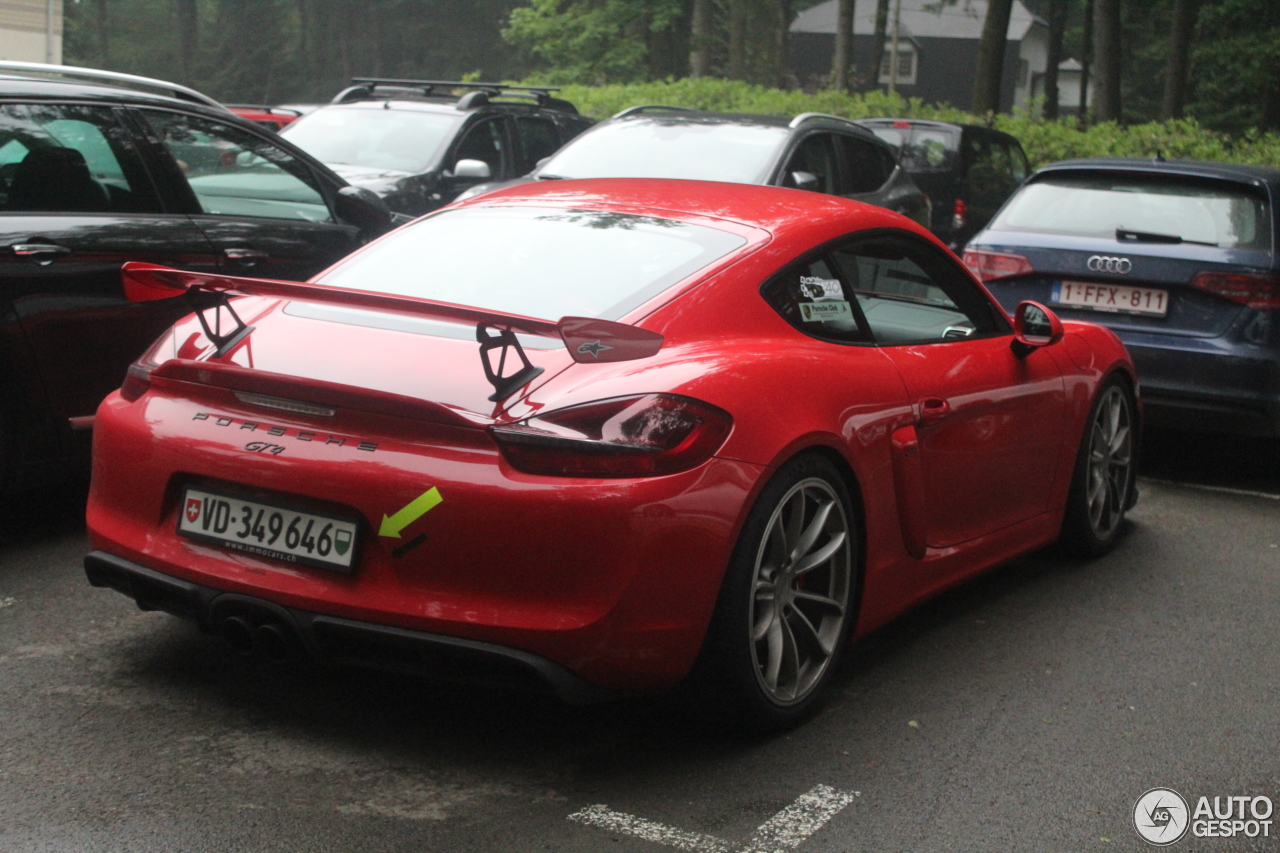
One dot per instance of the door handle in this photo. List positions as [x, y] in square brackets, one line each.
[245, 257]
[42, 253]
[933, 409]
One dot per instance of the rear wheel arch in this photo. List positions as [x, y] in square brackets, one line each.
[725, 667]
[858, 508]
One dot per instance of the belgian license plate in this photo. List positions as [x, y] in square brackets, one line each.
[1117, 298]
[268, 530]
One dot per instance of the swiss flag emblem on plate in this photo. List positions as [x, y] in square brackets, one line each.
[193, 509]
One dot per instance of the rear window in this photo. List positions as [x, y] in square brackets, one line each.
[539, 262]
[670, 148]
[1207, 212]
[921, 149]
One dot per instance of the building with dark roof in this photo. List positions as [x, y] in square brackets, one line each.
[937, 48]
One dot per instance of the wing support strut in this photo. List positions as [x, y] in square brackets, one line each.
[203, 301]
[493, 337]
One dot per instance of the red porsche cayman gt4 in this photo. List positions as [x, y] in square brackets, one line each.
[604, 436]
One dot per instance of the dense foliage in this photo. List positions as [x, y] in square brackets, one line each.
[292, 50]
[1045, 141]
[274, 51]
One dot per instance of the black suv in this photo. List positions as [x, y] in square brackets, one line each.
[418, 145]
[98, 168]
[967, 170]
[810, 152]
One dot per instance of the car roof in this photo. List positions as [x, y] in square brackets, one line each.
[1239, 172]
[442, 107]
[777, 210]
[941, 125]
[681, 115]
[15, 85]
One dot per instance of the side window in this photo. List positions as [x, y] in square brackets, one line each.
[234, 173]
[815, 156]
[911, 293]
[811, 297]
[1019, 160]
[484, 142]
[68, 158]
[866, 166]
[988, 183]
[539, 138]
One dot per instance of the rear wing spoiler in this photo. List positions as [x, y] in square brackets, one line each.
[588, 340]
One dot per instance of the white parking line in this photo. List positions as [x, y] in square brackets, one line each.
[1224, 489]
[604, 817]
[789, 828]
[785, 831]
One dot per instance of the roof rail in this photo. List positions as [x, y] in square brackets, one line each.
[363, 88]
[127, 81]
[803, 117]
[631, 111]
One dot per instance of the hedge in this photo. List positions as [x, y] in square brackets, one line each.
[1044, 141]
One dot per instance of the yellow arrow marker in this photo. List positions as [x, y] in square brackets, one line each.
[416, 509]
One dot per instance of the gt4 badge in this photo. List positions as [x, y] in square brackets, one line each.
[264, 447]
[594, 348]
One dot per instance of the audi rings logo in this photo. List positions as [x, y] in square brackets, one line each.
[1107, 263]
[1161, 817]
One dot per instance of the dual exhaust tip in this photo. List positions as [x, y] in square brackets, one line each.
[271, 640]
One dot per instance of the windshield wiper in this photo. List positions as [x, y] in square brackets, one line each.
[1126, 236]
[552, 178]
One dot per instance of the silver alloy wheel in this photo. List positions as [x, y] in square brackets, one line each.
[1110, 462]
[800, 591]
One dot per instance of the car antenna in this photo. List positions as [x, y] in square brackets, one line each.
[1159, 158]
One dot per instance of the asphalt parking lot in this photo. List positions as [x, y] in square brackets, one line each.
[1027, 711]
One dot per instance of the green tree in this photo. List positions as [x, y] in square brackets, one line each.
[1235, 69]
[593, 41]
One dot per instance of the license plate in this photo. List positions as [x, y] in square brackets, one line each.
[268, 530]
[1118, 298]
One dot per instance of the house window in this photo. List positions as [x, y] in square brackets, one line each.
[906, 64]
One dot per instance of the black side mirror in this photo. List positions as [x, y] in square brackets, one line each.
[364, 209]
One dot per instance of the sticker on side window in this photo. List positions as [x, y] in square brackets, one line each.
[820, 288]
[821, 312]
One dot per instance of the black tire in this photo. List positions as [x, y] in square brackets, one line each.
[772, 647]
[1102, 485]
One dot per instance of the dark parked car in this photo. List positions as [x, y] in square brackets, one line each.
[967, 171]
[418, 145]
[1178, 258]
[809, 152]
[97, 169]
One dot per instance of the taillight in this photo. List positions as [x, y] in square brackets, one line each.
[138, 379]
[957, 214]
[1259, 291]
[989, 266]
[639, 436]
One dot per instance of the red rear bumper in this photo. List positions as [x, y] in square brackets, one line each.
[614, 580]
